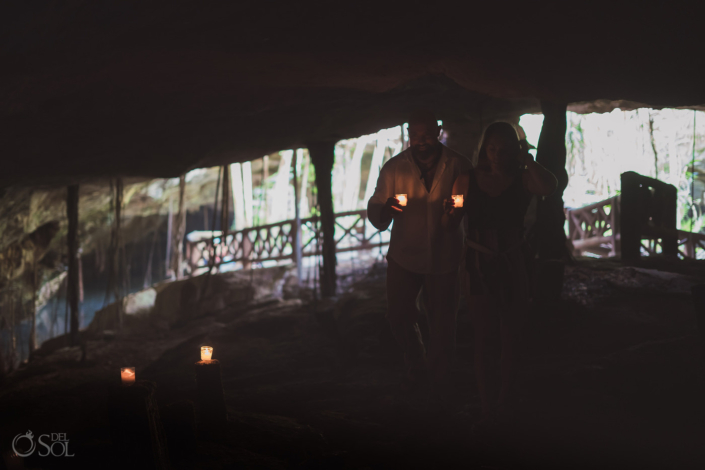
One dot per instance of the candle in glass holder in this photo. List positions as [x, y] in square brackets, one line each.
[206, 353]
[401, 198]
[127, 374]
[458, 200]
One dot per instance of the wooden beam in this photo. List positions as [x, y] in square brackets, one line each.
[323, 155]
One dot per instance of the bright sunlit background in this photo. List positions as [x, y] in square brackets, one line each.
[656, 143]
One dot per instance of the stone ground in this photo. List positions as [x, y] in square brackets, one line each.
[612, 378]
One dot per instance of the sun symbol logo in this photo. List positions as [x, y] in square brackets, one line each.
[32, 444]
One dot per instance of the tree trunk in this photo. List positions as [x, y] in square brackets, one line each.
[227, 197]
[303, 206]
[179, 227]
[237, 193]
[264, 208]
[247, 194]
[117, 272]
[297, 220]
[323, 155]
[150, 260]
[551, 153]
[33, 325]
[170, 236]
[353, 173]
[375, 166]
[280, 196]
[72, 242]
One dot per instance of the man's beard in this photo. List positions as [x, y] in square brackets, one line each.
[426, 154]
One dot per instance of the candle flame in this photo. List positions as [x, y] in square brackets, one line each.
[206, 353]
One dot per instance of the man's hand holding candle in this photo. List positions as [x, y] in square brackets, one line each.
[391, 208]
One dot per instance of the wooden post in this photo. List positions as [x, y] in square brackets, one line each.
[668, 204]
[323, 155]
[648, 209]
[551, 153]
[615, 223]
[135, 427]
[630, 215]
[179, 420]
[72, 242]
[211, 400]
[297, 220]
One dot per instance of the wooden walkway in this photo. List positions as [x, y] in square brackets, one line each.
[275, 242]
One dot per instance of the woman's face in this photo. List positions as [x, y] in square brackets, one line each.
[501, 152]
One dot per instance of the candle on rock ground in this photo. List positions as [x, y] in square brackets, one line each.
[458, 200]
[401, 198]
[127, 374]
[206, 353]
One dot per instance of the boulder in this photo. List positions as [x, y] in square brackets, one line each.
[136, 306]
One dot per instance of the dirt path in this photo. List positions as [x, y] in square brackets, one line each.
[612, 379]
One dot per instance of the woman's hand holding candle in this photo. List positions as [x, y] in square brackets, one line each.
[449, 206]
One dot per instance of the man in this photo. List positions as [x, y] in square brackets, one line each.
[421, 253]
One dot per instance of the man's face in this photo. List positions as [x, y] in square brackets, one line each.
[423, 138]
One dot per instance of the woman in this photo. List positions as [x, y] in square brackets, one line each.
[496, 196]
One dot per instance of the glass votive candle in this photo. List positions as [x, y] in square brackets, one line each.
[401, 198]
[206, 353]
[458, 200]
[127, 374]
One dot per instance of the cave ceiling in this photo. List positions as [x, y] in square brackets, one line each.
[153, 89]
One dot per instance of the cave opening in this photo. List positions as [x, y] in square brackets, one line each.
[204, 260]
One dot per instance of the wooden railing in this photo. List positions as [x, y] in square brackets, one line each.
[690, 245]
[596, 229]
[275, 242]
